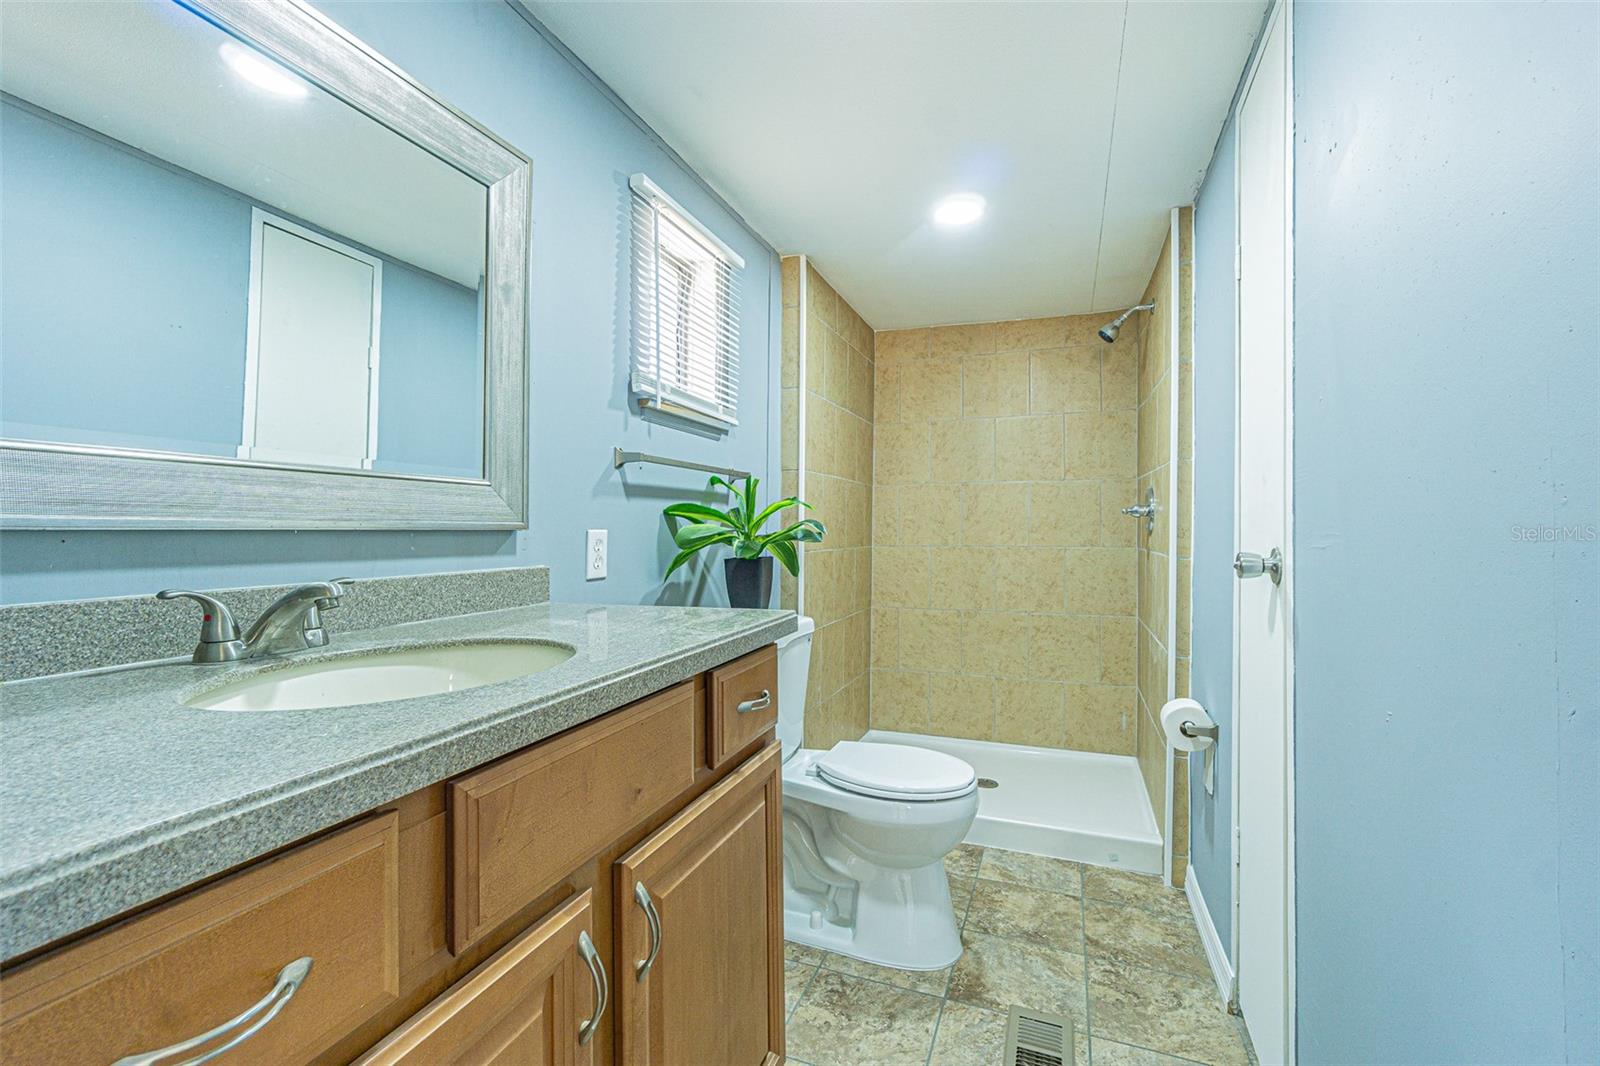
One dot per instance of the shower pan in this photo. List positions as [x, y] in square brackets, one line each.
[1076, 805]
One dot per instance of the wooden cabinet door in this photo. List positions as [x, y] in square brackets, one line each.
[525, 1005]
[713, 992]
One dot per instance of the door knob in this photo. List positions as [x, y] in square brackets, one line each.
[1249, 564]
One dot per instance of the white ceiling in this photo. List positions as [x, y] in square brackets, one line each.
[833, 127]
[150, 74]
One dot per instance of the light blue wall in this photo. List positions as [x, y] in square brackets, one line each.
[114, 263]
[430, 375]
[1211, 669]
[154, 314]
[1447, 384]
[484, 59]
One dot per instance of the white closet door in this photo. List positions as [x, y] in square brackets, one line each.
[311, 391]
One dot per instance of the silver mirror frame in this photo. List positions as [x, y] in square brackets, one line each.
[67, 486]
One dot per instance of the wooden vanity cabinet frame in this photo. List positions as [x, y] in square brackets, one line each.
[434, 945]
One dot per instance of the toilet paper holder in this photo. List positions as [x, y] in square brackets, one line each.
[1189, 729]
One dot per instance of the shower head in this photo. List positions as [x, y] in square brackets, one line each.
[1108, 332]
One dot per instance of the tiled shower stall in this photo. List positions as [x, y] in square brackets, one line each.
[978, 580]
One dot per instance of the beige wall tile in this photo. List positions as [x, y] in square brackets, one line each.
[885, 636]
[1118, 651]
[997, 644]
[1031, 579]
[859, 397]
[1102, 581]
[1065, 648]
[964, 579]
[961, 706]
[994, 385]
[926, 638]
[1026, 334]
[899, 700]
[1100, 718]
[1116, 528]
[1064, 379]
[900, 577]
[973, 338]
[994, 513]
[900, 345]
[901, 452]
[932, 390]
[886, 515]
[1119, 379]
[816, 354]
[789, 279]
[836, 381]
[1030, 712]
[1029, 449]
[889, 390]
[1101, 445]
[996, 475]
[930, 514]
[1065, 513]
[963, 450]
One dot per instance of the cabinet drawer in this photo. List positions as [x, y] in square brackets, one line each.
[188, 966]
[744, 704]
[528, 1003]
[519, 825]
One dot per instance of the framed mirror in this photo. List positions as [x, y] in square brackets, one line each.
[255, 277]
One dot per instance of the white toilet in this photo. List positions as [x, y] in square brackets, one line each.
[865, 830]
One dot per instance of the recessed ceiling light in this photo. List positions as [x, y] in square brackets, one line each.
[260, 71]
[961, 209]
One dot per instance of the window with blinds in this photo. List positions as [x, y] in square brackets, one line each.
[685, 310]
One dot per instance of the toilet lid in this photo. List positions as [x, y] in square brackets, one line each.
[895, 771]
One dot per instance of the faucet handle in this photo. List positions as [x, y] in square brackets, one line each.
[219, 633]
[340, 585]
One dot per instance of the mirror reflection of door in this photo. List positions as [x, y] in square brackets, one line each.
[311, 366]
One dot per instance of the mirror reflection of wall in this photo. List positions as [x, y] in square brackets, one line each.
[204, 253]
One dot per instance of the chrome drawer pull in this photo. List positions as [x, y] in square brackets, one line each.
[760, 703]
[289, 980]
[602, 988]
[641, 896]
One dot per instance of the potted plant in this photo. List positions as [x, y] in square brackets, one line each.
[748, 572]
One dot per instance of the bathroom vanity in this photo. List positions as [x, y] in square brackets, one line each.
[578, 866]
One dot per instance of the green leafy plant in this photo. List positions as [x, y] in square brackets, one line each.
[696, 526]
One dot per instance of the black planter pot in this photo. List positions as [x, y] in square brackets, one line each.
[749, 581]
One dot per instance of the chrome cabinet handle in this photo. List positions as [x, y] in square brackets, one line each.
[760, 703]
[289, 980]
[602, 988]
[652, 917]
[1249, 564]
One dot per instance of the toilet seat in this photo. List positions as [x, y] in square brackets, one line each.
[895, 771]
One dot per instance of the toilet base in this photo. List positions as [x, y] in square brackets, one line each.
[901, 918]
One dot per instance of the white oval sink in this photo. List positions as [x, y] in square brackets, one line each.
[382, 675]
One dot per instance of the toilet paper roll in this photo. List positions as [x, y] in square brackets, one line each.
[1177, 712]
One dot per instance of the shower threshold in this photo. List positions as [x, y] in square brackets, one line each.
[1075, 805]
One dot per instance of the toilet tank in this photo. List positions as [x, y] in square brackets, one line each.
[794, 670]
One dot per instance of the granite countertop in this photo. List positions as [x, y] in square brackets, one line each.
[113, 793]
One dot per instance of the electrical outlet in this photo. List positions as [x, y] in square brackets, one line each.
[594, 564]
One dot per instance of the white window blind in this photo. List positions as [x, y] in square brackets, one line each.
[685, 309]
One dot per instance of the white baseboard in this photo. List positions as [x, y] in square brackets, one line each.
[1221, 968]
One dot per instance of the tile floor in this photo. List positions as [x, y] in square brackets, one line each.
[1115, 952]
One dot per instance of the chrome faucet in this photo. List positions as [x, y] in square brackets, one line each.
[292, 623]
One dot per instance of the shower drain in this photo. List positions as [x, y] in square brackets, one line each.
[988, 782]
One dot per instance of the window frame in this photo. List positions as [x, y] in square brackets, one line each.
[663, 369]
